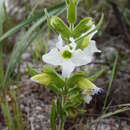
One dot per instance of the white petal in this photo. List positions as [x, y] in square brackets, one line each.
[60, 42]
[87, 98]
[72, 39]
[72, 44]
[91, 49]
[53, 57]
[67, 68]
[80, 58]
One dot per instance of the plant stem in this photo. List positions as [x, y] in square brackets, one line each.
[61, 124]
[61, 113]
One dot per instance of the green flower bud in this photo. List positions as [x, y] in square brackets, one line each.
[84, 83]
[72, 12]
[43, 79]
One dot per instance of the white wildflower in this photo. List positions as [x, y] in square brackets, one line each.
[68, 57]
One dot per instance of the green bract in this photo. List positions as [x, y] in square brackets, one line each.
[43, 79]
[60, 27]
[50, 79]
[72, 10]
[84, 25]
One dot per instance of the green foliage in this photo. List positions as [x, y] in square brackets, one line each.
[26, 40]
[50, 79]
[55, 78]
[79, 40]
[1, 46]
[111, 80]
[58, 9]
[13, 122]
[53, 116]
[72, 81]
[97, 74]
[60, 27]
[7, 115]
[31, 71]
[71, 10]
[84, 25]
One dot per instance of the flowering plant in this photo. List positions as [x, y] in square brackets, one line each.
[74, 48]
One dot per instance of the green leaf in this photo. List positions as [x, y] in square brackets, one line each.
[72, 81]
[84, 25]
[1, 46]
[60, 27]
[53, 116]
[97, 74]
[31, 71]
[26, 40]
[55, 78]
[98, 26]
[7, 115]
[111, 80]
[59, 106]
[50, 79]
[52, 10]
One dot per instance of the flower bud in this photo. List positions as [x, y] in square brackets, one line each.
[43, 79]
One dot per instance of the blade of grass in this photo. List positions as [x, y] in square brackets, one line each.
[97, 74]
[1, 46]
[7, 115]
[109, 114]
[32, 19]
[114, 113]
[47, 39]
[34, 8]
[16, 111]
[24, 42]
[111, 80]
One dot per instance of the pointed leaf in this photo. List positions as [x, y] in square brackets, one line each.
[84, 25]
[60, 27]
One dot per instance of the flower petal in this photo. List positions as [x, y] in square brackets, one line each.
[91, 48]
[67, 68]
[60, 43]
[79, 58]
[53, 57]
[87, 98]
[73, 44]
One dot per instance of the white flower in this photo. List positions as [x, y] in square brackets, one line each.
[89, 44]
[91, 48]
[68, 57]
[89, 89]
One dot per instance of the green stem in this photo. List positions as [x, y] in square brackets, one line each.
[71, 27]
[61, 124]
[61, 113]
